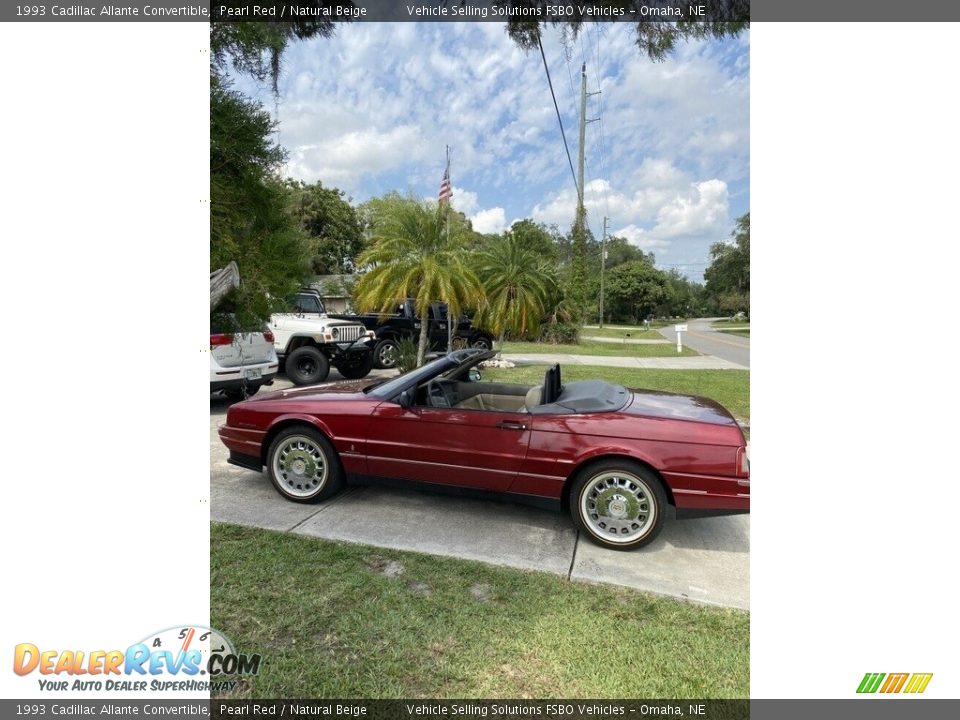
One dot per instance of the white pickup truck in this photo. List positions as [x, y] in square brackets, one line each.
[308, 342]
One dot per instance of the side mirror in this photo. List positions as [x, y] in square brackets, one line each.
[405, 399]
[474, 375]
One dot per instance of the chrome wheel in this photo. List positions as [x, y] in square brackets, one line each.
[300, 466]
[618, 506]
[386, 354]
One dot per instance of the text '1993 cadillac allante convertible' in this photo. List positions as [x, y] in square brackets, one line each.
[614, 457]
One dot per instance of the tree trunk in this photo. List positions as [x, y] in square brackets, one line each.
[503, 333]
[424, 334]
[222, 282]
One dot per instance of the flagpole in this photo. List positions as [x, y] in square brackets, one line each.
[450, 319]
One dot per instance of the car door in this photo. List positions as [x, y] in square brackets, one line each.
[438, 328]
[481, 449]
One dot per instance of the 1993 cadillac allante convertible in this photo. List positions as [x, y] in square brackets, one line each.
[615, 458]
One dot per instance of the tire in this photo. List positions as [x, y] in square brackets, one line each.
[307, 366]
[482, 342]
[633, 497]
[385, 354]
[358, 370]
[238, 394]
[303, 466]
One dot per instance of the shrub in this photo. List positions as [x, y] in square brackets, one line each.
[560, 334]
[406, 354]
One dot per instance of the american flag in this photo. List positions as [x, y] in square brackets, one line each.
[446, 192]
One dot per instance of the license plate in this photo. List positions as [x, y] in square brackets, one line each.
[253, 373]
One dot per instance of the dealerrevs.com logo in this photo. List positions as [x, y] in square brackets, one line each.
[182, 659]
[894, 683]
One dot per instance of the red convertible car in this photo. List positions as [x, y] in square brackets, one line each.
[615, 458]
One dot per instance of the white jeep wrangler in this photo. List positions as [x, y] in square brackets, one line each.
[308, 342]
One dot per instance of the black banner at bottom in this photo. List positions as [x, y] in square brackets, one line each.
[852, 709]
[473, 709]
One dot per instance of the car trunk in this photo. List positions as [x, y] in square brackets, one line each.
[245, 349]
[653, 403]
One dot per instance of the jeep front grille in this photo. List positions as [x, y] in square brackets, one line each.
[349, 333]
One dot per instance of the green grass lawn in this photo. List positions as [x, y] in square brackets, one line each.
[737, 331]
[351, 621]
[729, 321]
[730, 388]
[600, 348]
[635, 333]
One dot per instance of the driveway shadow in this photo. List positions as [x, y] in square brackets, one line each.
[729, 533]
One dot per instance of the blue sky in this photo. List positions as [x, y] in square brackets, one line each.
[371, 110]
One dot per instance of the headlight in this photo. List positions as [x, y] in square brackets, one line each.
[335, 333]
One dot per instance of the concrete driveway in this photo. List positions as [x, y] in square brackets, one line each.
[705, 560]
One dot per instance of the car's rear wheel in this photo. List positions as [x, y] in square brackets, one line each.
[303, 465]
[481, 342]
[239, 394]
[385, 353]
[619, 504]
[307, 366]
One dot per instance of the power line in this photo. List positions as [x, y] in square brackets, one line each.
[559, 119]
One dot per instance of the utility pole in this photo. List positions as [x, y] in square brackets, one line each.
[579, 259]
[583, 133]
[583, 136]
[603, 264]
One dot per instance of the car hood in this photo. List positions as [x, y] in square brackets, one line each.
[330, 390]
[654, 403]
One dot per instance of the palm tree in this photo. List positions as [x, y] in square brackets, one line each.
[518, 284]
[415, 254]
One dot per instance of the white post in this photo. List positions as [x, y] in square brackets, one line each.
[680, 329]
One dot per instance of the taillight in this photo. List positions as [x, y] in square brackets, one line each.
[268, 336]
[743, 463]
[220, 339]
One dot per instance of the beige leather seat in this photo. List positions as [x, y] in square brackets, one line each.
[534, 398]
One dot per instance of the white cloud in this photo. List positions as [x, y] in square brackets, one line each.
[665, 197]
[641, 238]
[493, 220]
[703, 209]
[344, 159]
[464, 200]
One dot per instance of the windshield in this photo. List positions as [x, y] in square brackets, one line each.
[389, 389]
[457, 361]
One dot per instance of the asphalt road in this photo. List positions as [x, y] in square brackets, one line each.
[705, 560]
[704, 339]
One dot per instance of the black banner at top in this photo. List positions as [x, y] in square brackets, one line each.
[631, 11]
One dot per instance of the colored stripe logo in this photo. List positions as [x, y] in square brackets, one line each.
[894, 682]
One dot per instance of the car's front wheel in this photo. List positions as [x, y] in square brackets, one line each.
[481, 342]
[619, 504]
[303, 465]
[307, 366]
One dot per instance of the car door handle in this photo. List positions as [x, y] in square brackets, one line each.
[507, 425]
